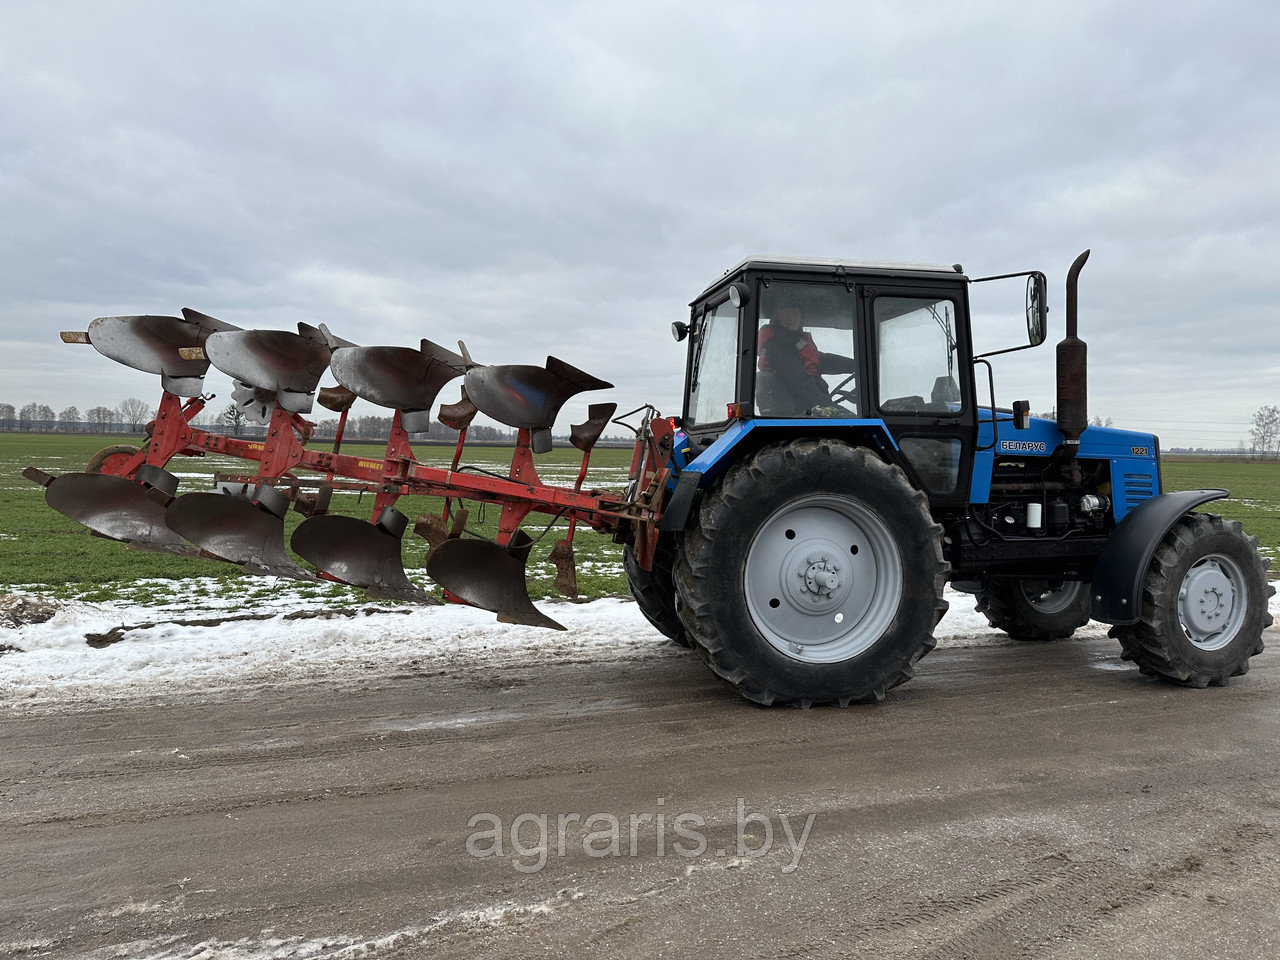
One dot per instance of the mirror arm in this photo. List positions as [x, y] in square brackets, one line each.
[1004, 276]
[996, 353]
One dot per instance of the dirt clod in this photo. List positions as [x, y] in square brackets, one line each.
[19, 610]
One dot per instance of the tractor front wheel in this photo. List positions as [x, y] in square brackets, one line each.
[1036, 610]
[813, 574]
[1204, 604]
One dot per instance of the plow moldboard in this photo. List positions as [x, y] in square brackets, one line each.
[117, 509]
[358, 553]
[236, 530]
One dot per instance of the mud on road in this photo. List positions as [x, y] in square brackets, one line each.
[1012, 801]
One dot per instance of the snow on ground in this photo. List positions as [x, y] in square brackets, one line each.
[103, 652]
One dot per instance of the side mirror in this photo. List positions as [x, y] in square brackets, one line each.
[1037, 309]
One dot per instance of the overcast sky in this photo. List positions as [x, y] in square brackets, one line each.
[563, 178]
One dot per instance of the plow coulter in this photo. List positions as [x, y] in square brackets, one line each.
[130, 496]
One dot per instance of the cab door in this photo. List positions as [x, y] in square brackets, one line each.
[922, 382]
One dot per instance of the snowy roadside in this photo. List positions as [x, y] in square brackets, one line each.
[182, 649]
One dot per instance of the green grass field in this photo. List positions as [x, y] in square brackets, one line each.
[41, 549]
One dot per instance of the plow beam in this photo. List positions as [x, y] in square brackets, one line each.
[152, 344]
[402, 378]
[360, 553]
[286, 365]
[528, 397]
[118, 509]
[245, 527]
[489, 576]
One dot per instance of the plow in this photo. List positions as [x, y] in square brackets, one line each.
[835, 464]
[130, 496]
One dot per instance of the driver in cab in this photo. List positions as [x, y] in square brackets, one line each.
[787, 351]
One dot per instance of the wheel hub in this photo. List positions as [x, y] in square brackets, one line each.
[823, 578]
[1207, 599]
[819, 581]
[1213, 602]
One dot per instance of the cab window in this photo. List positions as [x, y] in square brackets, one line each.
[805, 355]
[917, 359]
[713, 377]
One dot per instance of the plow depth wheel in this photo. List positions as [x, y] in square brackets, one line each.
[814, 574]
[111, 459]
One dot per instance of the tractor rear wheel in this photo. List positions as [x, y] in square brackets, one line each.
[812, 574]
[1204, 604]
[111, 459]
[654, 591]
[1035, 610]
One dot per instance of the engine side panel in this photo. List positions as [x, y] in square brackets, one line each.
[1133, 457]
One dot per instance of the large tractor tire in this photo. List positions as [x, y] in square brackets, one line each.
[1035, 610]
[1204, 604]
[812, 574]
[654, 590]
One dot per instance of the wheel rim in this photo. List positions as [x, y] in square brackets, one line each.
[1051, 599]
[823, 579]
[1212, 602]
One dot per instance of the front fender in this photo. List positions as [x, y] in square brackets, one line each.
[1122, 565]
[748, 435]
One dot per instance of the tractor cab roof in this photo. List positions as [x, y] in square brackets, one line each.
[838, 267]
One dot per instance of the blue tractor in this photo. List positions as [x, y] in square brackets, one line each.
[840, 458]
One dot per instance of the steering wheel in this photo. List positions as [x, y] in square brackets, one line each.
[842, 392]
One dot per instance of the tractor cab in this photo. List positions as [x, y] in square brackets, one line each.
[824, 346]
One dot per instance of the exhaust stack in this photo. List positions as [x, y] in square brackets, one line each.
[1073, 391]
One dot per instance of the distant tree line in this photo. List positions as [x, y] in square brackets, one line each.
[130, 416]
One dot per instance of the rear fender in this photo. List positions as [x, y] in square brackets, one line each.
[745, 436]
[1122, 565]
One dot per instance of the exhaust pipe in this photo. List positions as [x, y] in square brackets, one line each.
[1073, 390]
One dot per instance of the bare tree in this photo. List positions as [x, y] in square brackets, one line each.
[69, 420]
[233, 417]
[1265, 433]
[101, 417]
[1100, 421]
[8, 416]
[134, 412]
[36, 416]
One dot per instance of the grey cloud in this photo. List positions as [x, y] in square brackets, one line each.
[563, 178]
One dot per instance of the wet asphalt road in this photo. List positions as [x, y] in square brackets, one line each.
[1012, 801]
